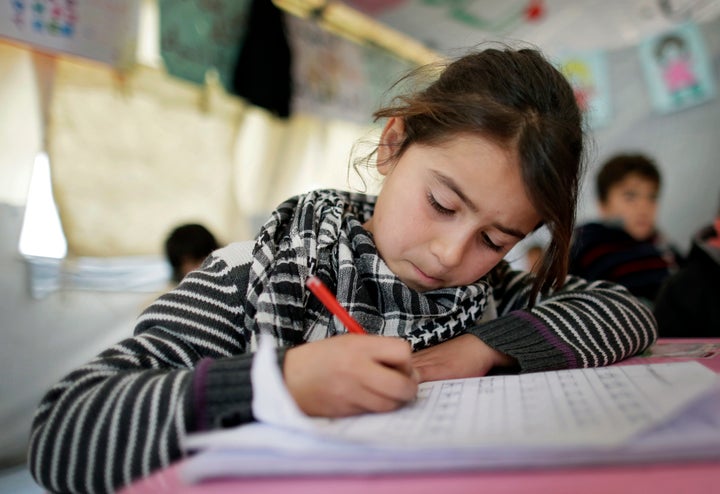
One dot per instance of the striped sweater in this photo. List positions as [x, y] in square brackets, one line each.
[126, 412]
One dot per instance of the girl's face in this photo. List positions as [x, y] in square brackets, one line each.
[447, 214]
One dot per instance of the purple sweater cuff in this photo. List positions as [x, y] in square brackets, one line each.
[550, 337]
[199, 387]
[221, 394]
[525, 338]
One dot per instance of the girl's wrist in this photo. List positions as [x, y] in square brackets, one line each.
[503, 359]
[498, 358]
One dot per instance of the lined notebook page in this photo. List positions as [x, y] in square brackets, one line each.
[570, 417]
[581, 406]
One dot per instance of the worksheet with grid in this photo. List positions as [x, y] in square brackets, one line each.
[626, 413]
[599, 406]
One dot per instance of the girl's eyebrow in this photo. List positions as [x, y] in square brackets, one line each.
[509, 231]
[450, 184]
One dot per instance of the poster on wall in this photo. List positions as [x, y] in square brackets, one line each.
[335, 78]
[677, 69]
[327, 73]
[198, 35]
[101, 30]
[588, 76]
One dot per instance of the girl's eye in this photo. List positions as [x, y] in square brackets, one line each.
[487, 241]
[437, 206]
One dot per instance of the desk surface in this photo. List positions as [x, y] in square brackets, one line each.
[655, 478]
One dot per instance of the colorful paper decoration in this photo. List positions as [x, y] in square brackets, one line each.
[677, 69]
[335, 78]
[200, 35]
[101, 30]
[588, 75]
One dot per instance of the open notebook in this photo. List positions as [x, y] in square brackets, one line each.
[652, 412]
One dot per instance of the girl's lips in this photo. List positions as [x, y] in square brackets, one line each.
[427, 279]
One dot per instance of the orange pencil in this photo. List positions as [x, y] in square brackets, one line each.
[328, 300]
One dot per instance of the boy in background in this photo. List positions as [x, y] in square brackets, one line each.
[625, 246]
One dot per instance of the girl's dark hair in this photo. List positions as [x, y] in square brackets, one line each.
[518, 99]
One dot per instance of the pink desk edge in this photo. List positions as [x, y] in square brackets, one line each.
[654, 478]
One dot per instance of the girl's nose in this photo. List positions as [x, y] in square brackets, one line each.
[449, 250]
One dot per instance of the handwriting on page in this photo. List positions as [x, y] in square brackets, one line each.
[601, 406]
[570, 417]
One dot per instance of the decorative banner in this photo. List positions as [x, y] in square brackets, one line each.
[335, 78]
[199, 35]
[677, 69]
[101, 30]
[328, 75]
[588, 75]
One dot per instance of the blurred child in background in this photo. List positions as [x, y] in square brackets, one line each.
[533, 257]
[186, 248]
[624, 245]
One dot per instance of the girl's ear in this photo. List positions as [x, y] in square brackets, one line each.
[392, 136]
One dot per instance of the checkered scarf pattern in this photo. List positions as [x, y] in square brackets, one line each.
[321, 233]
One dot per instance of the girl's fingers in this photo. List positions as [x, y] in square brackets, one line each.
[391, 352]
[390, 384]
[350, 374]
[370, 398]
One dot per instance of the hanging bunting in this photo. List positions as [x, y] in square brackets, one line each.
[335, 78]
[677, 69]
[588, 76]
[327, 73]
[469, 13]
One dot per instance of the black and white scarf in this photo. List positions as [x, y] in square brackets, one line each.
[321, 233]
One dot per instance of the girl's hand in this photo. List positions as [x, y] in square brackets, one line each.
[463, 356]
[350, 374]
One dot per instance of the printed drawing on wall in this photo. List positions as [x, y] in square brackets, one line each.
[101, 30]
[588, 76]
[677, 69]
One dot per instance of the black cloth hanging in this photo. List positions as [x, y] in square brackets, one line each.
[263, 70]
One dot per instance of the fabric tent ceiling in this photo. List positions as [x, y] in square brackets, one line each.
[559, 25]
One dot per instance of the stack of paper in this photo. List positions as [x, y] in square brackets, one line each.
[614, 414]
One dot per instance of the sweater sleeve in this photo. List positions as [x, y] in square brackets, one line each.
[583, 324]
[125, 413]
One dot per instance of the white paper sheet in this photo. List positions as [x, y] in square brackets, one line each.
[606, 414]
[272, 403]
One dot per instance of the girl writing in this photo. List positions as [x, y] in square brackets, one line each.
[487, 153]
